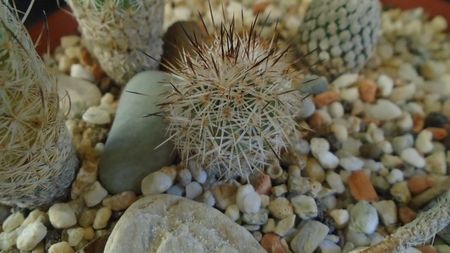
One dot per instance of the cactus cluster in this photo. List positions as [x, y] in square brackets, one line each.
[37, 158]
[338, 36]
[232, 104]
[121, 33]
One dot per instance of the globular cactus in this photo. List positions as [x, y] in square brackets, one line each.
[121, 33]
[338, 36]
[232, 104]
[37, 158]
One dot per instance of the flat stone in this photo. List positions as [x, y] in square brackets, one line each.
[165, 223]
[129, 154]
[309, 237]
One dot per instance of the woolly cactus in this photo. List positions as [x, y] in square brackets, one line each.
[232, 106]
[338, 36]
[121, 34]
[37, 159]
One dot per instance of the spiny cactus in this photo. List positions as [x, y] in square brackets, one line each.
[37, 159]
[339, 36]
[120, 33]
[232, 104]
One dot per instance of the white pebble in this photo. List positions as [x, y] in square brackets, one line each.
[94, 194]
[279, 190]
[327, 159]
[305, 206]
[424, 141]
[395, 176]
[78, 71]
[7, 240]
[102, 217]
[62, 215]
[184, 177]
[97, 116]
[403, 93]
[31, 235]
[232, 212]
[383, 110]
[13, 221]
[198, 173]
[61, 247]
[335, 182]
[345, 80]
[156, 182]
[340, 217]
[411, 156]
[340, 131]
[350, 94]
[318, 145]
[363, 218]
[285, 225]
[405, 122]
[336, 110]
[247, 199]
[176, 190]
[435, 163]
[193, 190]
[74, 236]
[351, 163]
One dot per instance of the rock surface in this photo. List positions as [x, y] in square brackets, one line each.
[165, 223]
[129, 154]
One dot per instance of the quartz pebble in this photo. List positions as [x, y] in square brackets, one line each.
[247, 199]
[259, 218]
[400, 192]
[411, 156]
[351, 163]
[327, 160]
[61, 247]
[62, 215]
[345, 80]
[13, 221]
[31, 235]
[94, 194]
[363, 218]
[340, 217]
[156, 182]
[305, 206]
[424, 142]
[309, 237]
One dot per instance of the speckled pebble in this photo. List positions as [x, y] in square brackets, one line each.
[280, 208]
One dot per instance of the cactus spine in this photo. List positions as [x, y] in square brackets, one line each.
[37, 158]
[121, 33]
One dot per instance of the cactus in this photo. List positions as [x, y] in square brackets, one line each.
[121, 33]
[232, 104]
[37, 158]
[338, 36]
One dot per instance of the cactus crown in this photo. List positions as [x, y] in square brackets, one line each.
[232, 106]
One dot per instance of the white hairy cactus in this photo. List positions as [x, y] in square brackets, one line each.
[232, 103]
[37, 158]
[121, 33]
[339, 36]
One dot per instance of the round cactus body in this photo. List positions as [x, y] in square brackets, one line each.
[338, 36]
[122, 34]
[232, 106]
[37, 158]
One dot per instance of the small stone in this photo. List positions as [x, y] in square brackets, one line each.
[327, 160]
[370, 151]
[272, 243]
[13, 221]
[7, 240]
[403, 93]
[120, 201]
[335, 182]
[176, 190]
[418, 123]
[313, 85]
[329, 247]
[418, 184]
[232, 211]
[75, 235]
[78, 71]
[383, 110]
[367, 90]
[350, 94]
[325, 98]
[87, 217]
[340, 216]
[436, 163]
[279, 190]
[102, 218]
[72, 52]
[193, 190]
[442, 248]
[336, 110]
[97, 116]
[351, 163]
[61, 247]
[314, 171]
[363, 218]
[298, 185]
[280, 208]
[184, 177]
[198, 173]
[319, 145]
[208, 198]
[400, 192]
[269, 226]
[285, 225]
[306, 108]
[361, 187]
[305, 206]
[395, 175]
[345, 80]
[94, 194]
[406, 214]
[247, 199]
[225, 195]
[156, 182]
[386, 85]
[262, 183]
[88, 233]
[424, 142]
[387, 211]
[70, 41]
[309, 237]
[411, 156]
[259, 218]
[31, 235]
[438, 133]
[62, 215]
[402, 142]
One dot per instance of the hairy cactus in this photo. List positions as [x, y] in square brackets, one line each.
[121, 33]
[232, 103]
[37, 158]
[339, 36]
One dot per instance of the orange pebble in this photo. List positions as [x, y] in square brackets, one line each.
[418, 184]
[326, 98]
[272, 243]
[261, 183]
[316, 122]
[361, 187]
[97, 72]
[406, 214]
[368, 90]
[85, 57]
[418, 123]
[438, 133]
[260, 6]
[427, 249]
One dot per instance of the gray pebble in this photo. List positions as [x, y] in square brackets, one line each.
[309, 237]
[258, 218]
[363, 218]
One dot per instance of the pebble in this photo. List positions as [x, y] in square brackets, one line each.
[403, 93]
[272, 243]
[232, 211]
[176, 190]
[361, 187]
[340, 216]
[402, 142]
[7, 240]
[94, 194]
[335, 182]
[368, 90]
[325, 98]
[193, 190]
[351, 163]
[386, 85]
[405, 122]
[395, 175]
[247, 199]
[102, 217]
[269, 226]
[285, 225]
[298, 185]
[13, 221]
[184, 177]
[120, 201]
[424, 142]
[280, 208]
[31, 235]
[314, 171]
[61, 247]
[436, 163]
[198, 173]
[329, 247]
[75, 235]
[313, 85]
[357, 238]
[279, 190]
[370, 151]
[350, 94]
[336, 110]
[156, 182]
[406, 214]
[306, 108]
[418, 184]
[411, 156]
[400, 192]
[340, 131]
[62, 215]
[327, 160]
[87, 217]
[363, 218]
[319, 145]
[387, 210]
[225, 195]
[88, 233]
[78, 71]
[309, 237]
[383, 110]
[345, 80]
[305, 206]
[262, 183]
[258, 218]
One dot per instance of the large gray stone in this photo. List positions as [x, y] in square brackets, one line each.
[170, 224]
[130, 153]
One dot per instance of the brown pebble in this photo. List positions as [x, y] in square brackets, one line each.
[418, 184]
[438, 133]
[85, 57]
[316, 122]
[361, 187]
[120, 201]
[427, 249]
[418, 123]
[326, 98]
[368, 90]
[272, 243]
[406, 214]
[97, 72]
[260, 6]
[262, 183]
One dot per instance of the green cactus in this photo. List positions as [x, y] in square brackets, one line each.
[37, 158]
